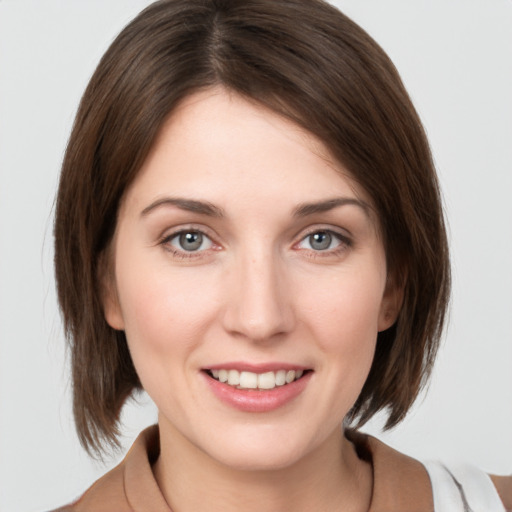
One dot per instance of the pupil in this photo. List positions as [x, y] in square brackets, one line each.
[191, 241]
[320, 241]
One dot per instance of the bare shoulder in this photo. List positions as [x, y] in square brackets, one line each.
[503, 485]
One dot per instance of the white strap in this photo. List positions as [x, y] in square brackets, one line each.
[462, 488]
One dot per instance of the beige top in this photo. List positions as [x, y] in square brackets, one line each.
[401, 484]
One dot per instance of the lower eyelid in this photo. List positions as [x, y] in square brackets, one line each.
[337, 252]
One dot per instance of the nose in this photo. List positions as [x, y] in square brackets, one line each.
[259, 303]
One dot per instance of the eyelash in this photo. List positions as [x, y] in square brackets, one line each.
[182, 253]
[344, 243]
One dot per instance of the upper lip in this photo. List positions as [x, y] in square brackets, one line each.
[256, 367]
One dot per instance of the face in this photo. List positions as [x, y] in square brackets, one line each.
[244, 253]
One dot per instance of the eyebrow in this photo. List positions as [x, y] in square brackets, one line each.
[209, 209]
[306, 209]
[189, 205]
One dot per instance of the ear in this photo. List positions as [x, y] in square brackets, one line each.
[391, 303]
[109, 296]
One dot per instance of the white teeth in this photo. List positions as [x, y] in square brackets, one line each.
[290, 376]
[281, 378]
[250, 380]
[267, 380]
[233, 377]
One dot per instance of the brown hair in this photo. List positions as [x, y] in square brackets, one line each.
[305, 60]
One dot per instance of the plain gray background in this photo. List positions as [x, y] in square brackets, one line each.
[455, 57]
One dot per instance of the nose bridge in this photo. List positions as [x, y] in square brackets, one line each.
[259, 305]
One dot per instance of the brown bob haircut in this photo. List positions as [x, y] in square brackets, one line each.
[306, 61]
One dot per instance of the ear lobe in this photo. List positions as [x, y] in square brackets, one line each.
[391, 304]
[112, 311]
[109, 297]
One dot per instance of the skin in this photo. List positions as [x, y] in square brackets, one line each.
[258, 290]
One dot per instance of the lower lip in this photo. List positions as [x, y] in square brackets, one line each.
[254, 400]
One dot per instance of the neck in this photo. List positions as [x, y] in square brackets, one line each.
[329, 478]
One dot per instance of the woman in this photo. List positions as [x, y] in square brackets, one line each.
[248, 226]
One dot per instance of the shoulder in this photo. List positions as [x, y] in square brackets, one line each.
[105, 495]
[129, 485]
[402, 483]
[503, 485]
[464, 487]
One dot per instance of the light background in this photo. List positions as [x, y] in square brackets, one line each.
[455, 57]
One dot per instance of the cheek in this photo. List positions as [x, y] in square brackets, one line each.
[166, 315]
[344, 312]
[165, 311]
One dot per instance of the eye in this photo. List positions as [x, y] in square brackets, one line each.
[323, 240]
[189, 241]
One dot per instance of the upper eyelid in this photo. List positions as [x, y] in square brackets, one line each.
[337, 231]
[170, 233]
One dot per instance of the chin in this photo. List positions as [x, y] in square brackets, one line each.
[248, 460]
[260, 452]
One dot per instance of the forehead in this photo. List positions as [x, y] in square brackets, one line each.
[225, 148]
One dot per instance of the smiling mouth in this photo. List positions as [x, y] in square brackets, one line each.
[256, 381]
